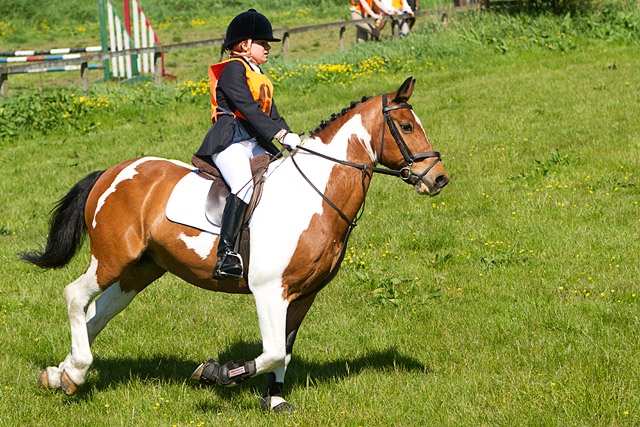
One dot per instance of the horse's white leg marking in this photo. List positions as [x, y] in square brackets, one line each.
[281, 370]
[78, 295]
[272, 318]
[279, 373]
[201, 244]
[108, 304]
[127, 173]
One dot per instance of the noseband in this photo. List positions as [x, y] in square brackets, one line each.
[409, 159]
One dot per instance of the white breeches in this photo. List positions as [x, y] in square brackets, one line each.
[235, 167]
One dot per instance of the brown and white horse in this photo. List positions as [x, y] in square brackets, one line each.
[317, 191]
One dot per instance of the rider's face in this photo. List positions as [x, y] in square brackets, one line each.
[259, 51]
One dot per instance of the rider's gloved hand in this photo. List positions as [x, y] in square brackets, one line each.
[290, 139]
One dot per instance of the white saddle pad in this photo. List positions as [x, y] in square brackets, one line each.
[186, 204]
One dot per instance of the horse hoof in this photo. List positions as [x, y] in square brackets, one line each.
[67, 385]
[283, 407]
[207, 373]
[43, 380]
[195, 377]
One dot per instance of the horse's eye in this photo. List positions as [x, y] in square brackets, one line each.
[406, 127]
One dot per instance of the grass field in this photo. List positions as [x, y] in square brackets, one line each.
[511, 299]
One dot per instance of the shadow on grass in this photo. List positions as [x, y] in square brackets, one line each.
[105, 373]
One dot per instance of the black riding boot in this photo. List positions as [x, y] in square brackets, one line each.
[229, 263]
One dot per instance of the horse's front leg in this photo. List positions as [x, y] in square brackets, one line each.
[272, 318]
[272, 396]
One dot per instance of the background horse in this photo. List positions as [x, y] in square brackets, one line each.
[317, 192]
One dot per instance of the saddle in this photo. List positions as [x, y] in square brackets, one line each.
[214, 205]
[219, 188]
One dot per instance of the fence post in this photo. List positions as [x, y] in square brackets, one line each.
[342, 31]
[83, 76]
[285, 45]
[157, 71]
[4, 84]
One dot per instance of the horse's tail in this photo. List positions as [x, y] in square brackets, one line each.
[67, 229]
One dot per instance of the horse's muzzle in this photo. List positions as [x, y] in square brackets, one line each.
[432, 187]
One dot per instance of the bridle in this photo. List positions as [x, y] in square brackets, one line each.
[405, 172]
[409, 159]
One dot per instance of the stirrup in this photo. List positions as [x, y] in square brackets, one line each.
[227, 267]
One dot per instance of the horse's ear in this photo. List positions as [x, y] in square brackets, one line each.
[404, 92]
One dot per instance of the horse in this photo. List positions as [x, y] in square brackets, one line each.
[318, 190]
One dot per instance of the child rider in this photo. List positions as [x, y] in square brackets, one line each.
[245, 121]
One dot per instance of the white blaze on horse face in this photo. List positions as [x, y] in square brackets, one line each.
[417, 119]
[289, 202]
[201, 244]
[125, 174]
[420, 186]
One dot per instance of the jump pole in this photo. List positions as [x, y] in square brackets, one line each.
[119, 39]
[138, 25]
[103, 39]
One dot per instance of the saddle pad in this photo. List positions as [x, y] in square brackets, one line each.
[186, 204]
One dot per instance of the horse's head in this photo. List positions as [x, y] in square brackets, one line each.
[402, 144]
[384, 130]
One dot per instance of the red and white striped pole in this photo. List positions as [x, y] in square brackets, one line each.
[142, 33]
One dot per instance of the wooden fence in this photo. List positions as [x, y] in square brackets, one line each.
[158, 50]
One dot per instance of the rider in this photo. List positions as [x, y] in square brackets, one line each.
[245, 120]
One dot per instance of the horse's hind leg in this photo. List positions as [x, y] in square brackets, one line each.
[89, 318]
[71, 372]
[118, 296]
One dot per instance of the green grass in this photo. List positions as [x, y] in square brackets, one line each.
[510, 299]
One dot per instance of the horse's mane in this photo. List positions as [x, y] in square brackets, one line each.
[323, 124]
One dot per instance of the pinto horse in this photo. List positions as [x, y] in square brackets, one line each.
[318, 190]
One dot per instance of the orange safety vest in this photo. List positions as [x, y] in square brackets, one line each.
[356, 3]
[259, 84]
[397, 4]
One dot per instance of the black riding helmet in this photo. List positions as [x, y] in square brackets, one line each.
[249, 25]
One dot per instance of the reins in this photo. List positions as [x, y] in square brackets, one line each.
[405, 173]
[350, 224]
